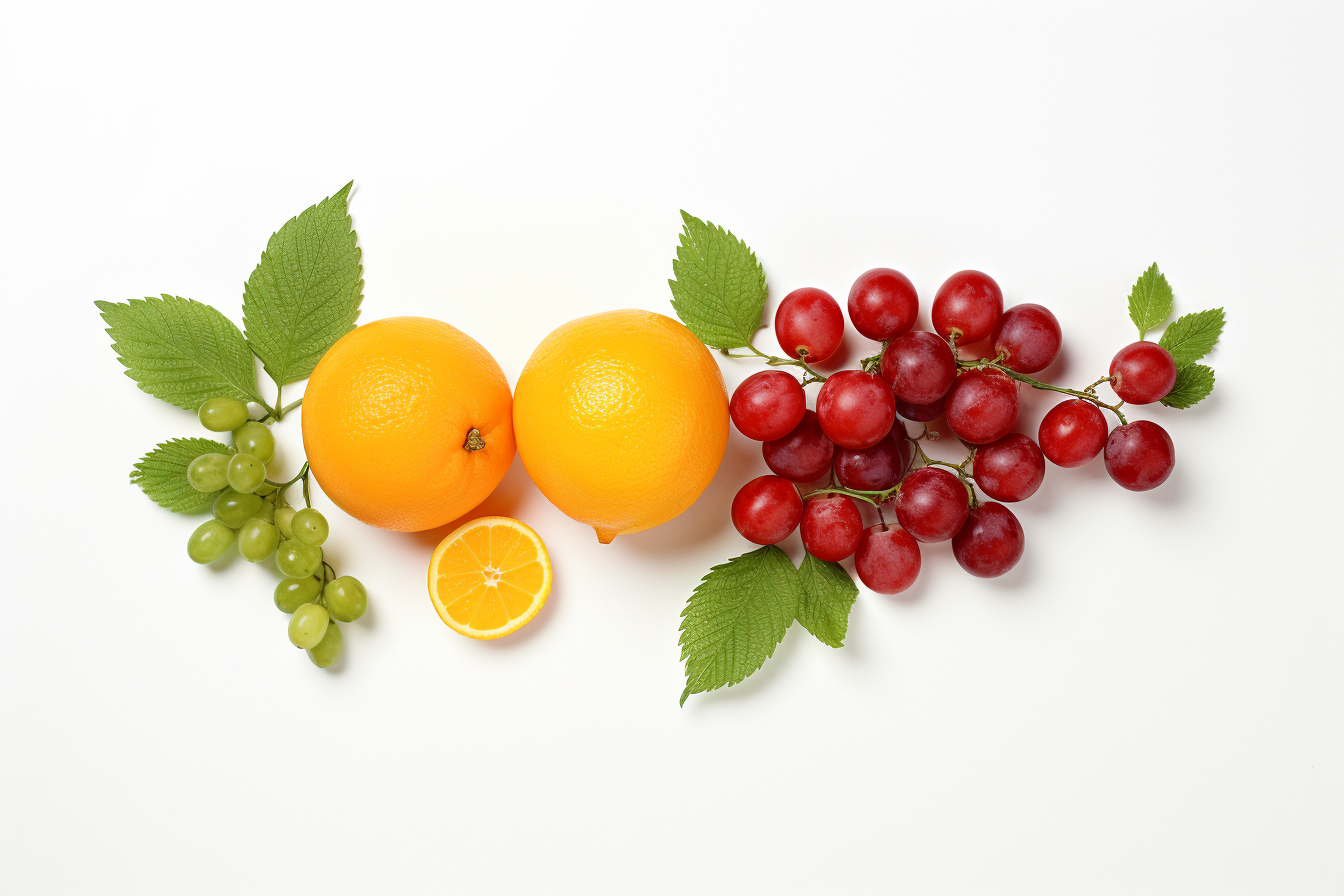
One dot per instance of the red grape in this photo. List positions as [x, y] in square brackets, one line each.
[887, 559]
[982, 406]
[931, 504]
[990, 543]
[920, 413]
[883, 304]
[1140, 455]
[970, 303]
[1072, 433]
[919, 367]
[1142, 372]
[856, 409]
[874, 469]
[768, 405]
[809, 324]
[831, 527]
[1010, 469]
[804, 454]
[1030, 337]
[767, 509]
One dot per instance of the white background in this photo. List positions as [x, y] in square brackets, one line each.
[1149, 703]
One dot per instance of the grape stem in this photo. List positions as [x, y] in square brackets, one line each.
[281, 487]
[1088, 394]
[811, 375]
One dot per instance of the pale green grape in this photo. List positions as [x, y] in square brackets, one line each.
[222, 414]
[209, 542]
[246, 473]
[233, 508]
[309, 526]
[308, 625]
[266, 513]
[294, 558]
[328, 650]
[293, 592]
[257, 540]
[283, 515]
[255, 439]
[264, 489]
[346, 598]
[209, 472]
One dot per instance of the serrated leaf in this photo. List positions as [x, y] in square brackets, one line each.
[162, 473]
[1150, 300]
[305, 292]
[825, 598]
[181, 351]
[1192, 336]
[1194, 382]
[736, 617]
[719, 291]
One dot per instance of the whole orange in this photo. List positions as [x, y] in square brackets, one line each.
[408, 423]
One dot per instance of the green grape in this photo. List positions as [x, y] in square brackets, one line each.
[222, 414]
[264, 489]
[266, 513]
[246, 473]
[209, 542]
[346, 598]
[309, 526]
[209, 472]
[257, 540]
[255, 439]
[298, 559]
[293, 592]
[283, 515]
[327, 651]
[233, 508]
[308, 625]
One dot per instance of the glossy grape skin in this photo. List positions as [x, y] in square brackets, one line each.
[209, 542]
[1072, 433]
[257, 540]
[308, 625]
[831, 527]
[968, 302]
[1030, 337]
[877, 468]
[932, 504]
[222, 414]
[768, 405]
[293, 592]
[982, 406]
[990, 543]
[887, 559]
[255, 439]
[1140, 455]
[327, 651]
[921, 413]
[245, 473]
[283, 516]
[209, 472]
[855, 409]
[1142, 372]
[1009, 469]
[767, 509]
[803, 455]
[919, 367]
[346, 598]
[294, 558]
[309, 526]
[234, 508]
[883, 304]
[809, 324]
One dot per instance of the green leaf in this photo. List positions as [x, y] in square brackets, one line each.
[1193, 336]
[719, 290]
[1194, 382]
[305, 291]
[1150, 300]
[162, 473]
[737, 615]
[826, 597]
[181, 351]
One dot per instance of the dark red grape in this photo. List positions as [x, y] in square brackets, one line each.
[831, 527]
[809, 324]
[990, 543]
[1142, 372]
[919, 367]
[1030, 337]
[767, 509]
[887, 559]
[1072, 433]
[1010, 469]
[982, 406]
[920, 413]
[931, 504]
[768, 405]
[874, 469]
[856, 409]
[804, 454]
[883, 304]
[970, 303]
[1140, 455]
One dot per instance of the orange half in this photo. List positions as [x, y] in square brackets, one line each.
[489, 577]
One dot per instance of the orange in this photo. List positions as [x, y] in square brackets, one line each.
[489, 577]
[621, 420]
[407, 423]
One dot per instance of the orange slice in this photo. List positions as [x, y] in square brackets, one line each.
[489, 577]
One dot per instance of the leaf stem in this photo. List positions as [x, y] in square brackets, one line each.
[811, 375]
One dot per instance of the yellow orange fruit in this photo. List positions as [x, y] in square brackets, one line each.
[621, 420]
[489, 577]
[407, 423]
